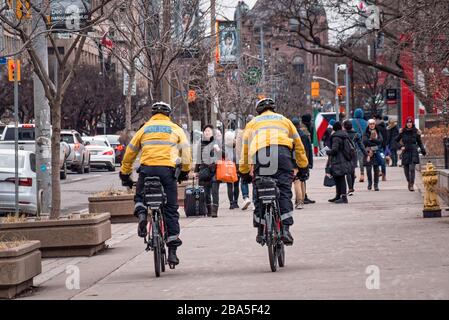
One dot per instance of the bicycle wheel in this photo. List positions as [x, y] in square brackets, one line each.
[281, 254]
[271, 244]
[156, 250]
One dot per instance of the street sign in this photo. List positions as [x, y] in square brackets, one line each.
[391, 96]
[126, 82]
[3, 61]
[253, 76]
[211, 69]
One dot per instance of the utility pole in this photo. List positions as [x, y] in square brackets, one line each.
[42, 113]
[348, 109]
[262, 54]
[238, 17]
[213, 90]
[337, 102]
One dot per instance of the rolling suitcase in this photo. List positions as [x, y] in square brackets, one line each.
[195, 201]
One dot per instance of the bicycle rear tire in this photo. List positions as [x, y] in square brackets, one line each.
[271, 244]
[281, 255]
[157, 251]
[163, 257]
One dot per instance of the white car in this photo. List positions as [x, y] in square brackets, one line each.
[102, 154]
[27, 181]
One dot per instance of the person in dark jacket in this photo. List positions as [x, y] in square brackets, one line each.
[360, 148]
[210, 152]
[381, 126]
[372, 140]
[359, 125]
[338, 165]
[307, 128]
[393, 133]
[328, 134]
[410, 138]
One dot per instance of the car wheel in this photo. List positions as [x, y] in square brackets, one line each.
[87, 168]
[80, 169]
[63, 173]
[111, 167]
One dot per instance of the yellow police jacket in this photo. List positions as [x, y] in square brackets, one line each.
[268, 129]
[162, 143]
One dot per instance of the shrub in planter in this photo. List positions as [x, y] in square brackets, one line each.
[119, 203]
[65, 237]
[20, 262]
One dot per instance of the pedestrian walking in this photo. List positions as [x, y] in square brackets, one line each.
[410, 139]
[307, 128]
[392, 144]
[359, 125]
[382, 128]
[210, 152]
[372, 140]
[328, 134]
[230, 154]
[338, 166]
[360, 148]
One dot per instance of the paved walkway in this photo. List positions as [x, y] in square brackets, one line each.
[335, 246]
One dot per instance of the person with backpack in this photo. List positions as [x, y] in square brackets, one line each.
[382, 128]
[338, 163]
[357, 142]
[372, 140]
[359, 125]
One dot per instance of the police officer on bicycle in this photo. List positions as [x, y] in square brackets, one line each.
[161, 143]
[271, 146]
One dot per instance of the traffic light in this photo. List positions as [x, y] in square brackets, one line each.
[315, 89]
[191, 96]
[341, 92]
[13, 67]
[23, 8]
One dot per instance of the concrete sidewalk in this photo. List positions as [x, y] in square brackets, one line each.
[335, 246]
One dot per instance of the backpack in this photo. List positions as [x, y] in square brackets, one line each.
[349, 151]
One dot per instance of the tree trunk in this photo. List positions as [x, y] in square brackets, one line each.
[55, 149]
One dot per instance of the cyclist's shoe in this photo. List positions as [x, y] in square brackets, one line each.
[259, 237]
[287, 237]
[142, 227]
[172, 257]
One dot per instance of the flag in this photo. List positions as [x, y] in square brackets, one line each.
[315, 141]
[105, 41]
[322, 120]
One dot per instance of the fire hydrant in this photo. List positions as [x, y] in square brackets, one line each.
[430, 179]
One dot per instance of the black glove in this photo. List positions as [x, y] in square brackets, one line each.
[247, 178]
[126, 180]
[303, 174]
[183, 176]
[423, 152]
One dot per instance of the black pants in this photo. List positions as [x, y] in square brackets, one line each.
[211, 189]
[281, 162]
[369, 171]
[171, 215]
[340, 185]
[233, 192]
[394, 157]
[409, 170]
[350, 178]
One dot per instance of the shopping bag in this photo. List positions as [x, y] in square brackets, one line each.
[226, 171]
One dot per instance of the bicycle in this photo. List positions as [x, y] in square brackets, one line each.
[155, 199]
[268, 196]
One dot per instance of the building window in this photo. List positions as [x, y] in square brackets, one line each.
[298, 65]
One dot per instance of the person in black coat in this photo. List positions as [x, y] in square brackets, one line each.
[354, 136]
[382, 128]
[210, 152]
[337, 164]
[393, 133]
[372, 140]
[410, 138]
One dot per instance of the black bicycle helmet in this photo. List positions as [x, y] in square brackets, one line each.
[265, 104]
[161, 107]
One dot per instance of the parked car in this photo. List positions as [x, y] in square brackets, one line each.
[79, 157]
[2, 128]
[116, 145]
[27, 181]
[102, 154]
[27, 142]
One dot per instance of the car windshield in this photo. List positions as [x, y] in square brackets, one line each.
[100, 143]
[8, 161]
[25, 134]
[112, 139]
[68, 138]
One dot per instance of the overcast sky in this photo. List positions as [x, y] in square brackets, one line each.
[227, 7]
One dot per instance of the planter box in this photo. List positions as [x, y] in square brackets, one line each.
[63, 238]
[18, 266]
[443, 182]
[438, 162]
[121, 207]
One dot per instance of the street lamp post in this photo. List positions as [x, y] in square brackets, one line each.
[337, 101]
